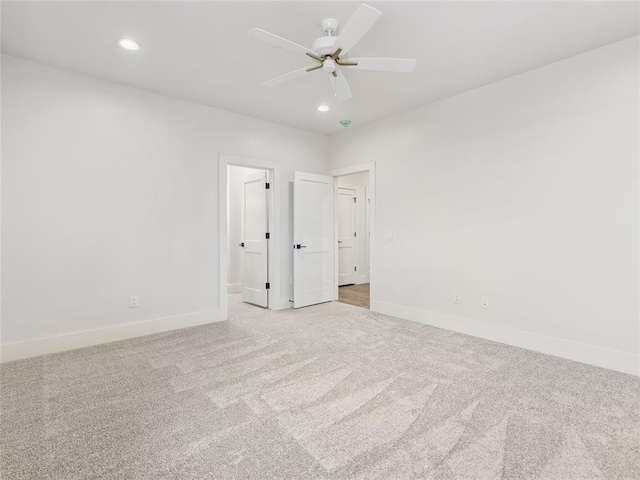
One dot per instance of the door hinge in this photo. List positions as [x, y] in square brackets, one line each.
[267, 186]
[355, 199]
[267, 235]
[355, 234]
[355, 269]
[267, 285]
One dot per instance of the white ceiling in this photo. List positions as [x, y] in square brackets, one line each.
[200, 51]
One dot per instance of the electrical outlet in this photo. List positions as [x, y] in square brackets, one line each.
[457, 298]
[134, 301]
[485, 302]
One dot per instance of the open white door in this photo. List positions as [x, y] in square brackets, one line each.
[346, 236]
[255, 273]
[313, 237]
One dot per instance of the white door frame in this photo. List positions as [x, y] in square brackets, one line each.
[340, 172]
[274, 226]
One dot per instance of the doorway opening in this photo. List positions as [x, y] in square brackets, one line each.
[248, 232]
[249, 225]
[353, 235]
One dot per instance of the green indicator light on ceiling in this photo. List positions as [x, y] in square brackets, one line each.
[345, 123]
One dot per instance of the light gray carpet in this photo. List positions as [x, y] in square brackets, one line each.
[331, 391]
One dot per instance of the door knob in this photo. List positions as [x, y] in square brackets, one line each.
[241, 244]
[298, 246]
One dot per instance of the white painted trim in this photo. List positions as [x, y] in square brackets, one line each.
[371, 168]
[86, 338]
[226, 160]
[580, 352]
[234, 288]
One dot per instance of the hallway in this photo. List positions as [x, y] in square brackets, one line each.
[357, 295]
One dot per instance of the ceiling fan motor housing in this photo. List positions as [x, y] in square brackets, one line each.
[324, 45]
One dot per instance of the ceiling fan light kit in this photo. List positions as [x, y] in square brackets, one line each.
[330, 51]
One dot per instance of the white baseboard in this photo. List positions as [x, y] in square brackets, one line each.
[86, 338]
[234, 287]
[580, 352]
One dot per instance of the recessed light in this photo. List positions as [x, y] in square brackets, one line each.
[129, 44]
[323, 108]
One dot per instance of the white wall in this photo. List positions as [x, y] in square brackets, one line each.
[110, 191]
[525, 191]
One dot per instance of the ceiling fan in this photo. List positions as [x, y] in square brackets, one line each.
[331, 51]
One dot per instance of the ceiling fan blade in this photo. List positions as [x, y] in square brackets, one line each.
[341, 89]
[279, 41]
[285, 78]
[356, 27]
[384, 64]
